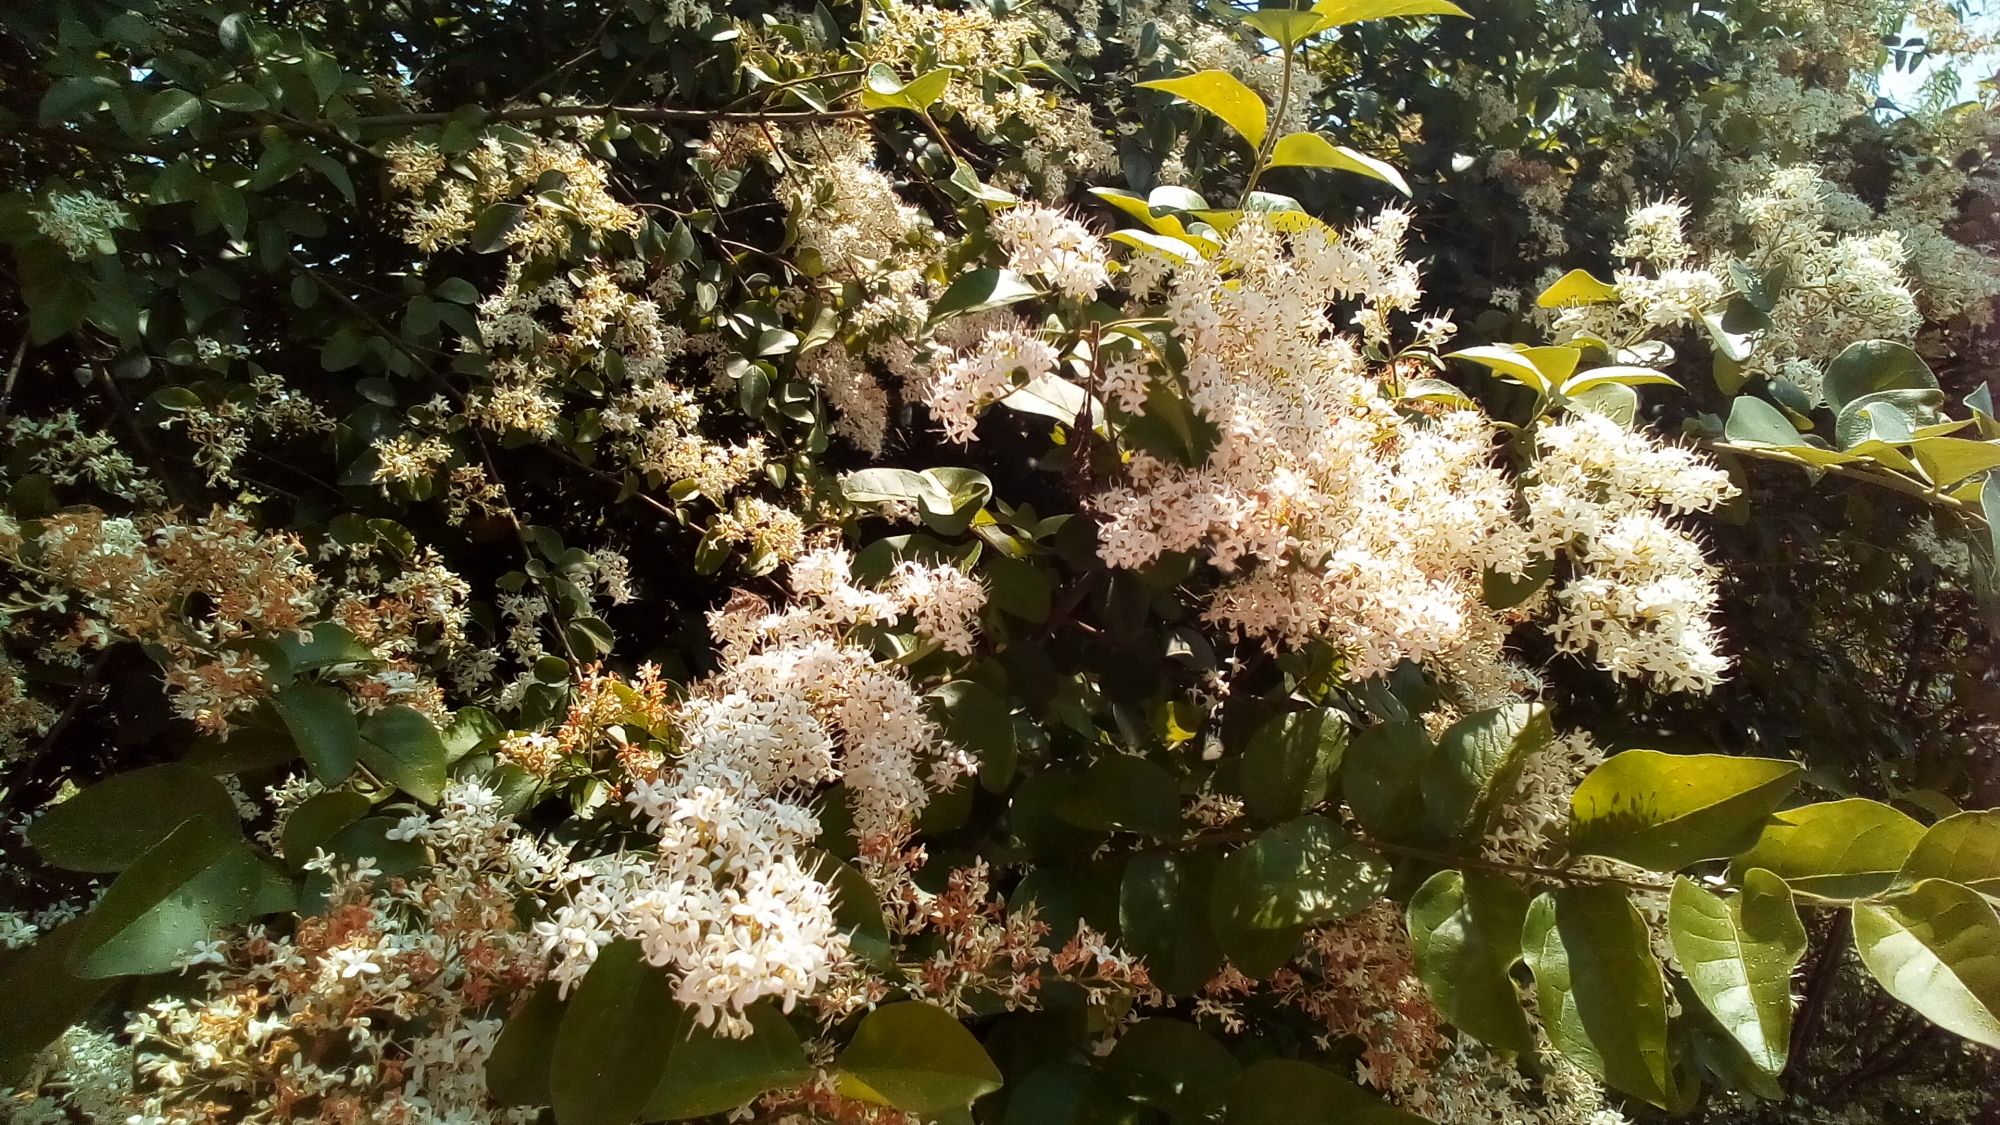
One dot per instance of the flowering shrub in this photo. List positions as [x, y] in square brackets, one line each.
[939, 563]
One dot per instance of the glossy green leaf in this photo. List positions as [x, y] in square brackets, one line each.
[1175, 1067]
[1836, 849]
[1381, 777]
[1598, 987]
[1310, 150]
[1340, 12]
[322, 646]
[1285, 26]
[111, 824]
[709, 1073]
[982, 289]
[1123, 793]
[1163, 917]
[202, 877]
[1738, 954]
[1868, 366]
[977, 718]
[400, 743]
[1964, 848]
[1577, 287]
[1291, 762]
[1756, 422]
[915, 1057]
[1478, 764]
[1948, 460]
[1300, 873]
[315, 821]
[1665, 811]
[517, 1070]
[884, 90]
[1224, 95]
[323, 727]
[615, 1039]
[1936, 947]
[1465, 930]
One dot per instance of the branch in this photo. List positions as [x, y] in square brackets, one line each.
[406, 121]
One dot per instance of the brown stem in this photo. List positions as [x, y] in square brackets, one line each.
[1819, 985]
[406, 121]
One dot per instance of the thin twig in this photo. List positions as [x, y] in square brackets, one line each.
[405, 121]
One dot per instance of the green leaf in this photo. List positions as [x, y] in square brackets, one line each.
[401, 744]
[1175, 1067]
[1665, 811]
[169, 110]
[491, 230]
[979, 290]
[1310, 150]
[1538, 369]
[1868, 366]
[1756, 422]
[1738, 955]
[114, 822]
[241, 97]
[43, 998]
[1598, 987]
[1291, 762]
[883, 90]
[517, 1071]
[316, 821]
[1286, 26]
[1465, 929]
[979, 719]
[615, 1039]
[1289, 1092]
[322, 726]
[1123, 793]
[1948, 460]
[1163, 917]
[1340, 12]
[1381, 777]
[200, 878]
[1964, 848]
[1224, 95]
[323, 646]
[1936, 947]
[1298, 874]
[915, 1057]
[710, 1074]
[1577, 287]
[1479, 761]
[1838, 849]
[1616, 375]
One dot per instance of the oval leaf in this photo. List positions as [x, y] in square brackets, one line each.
[1738, 955]
[1224, 95]
[1599, 989]
[915, 1057]
[1465, 929]
[1936, 947]
[109, 825]
[1665, 811]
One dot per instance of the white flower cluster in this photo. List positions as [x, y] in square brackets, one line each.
[728, 902]
[1831, 283]
[1642, 595]
[1043, 242]
[379, 1008]
[80, 222]
[978, 376]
